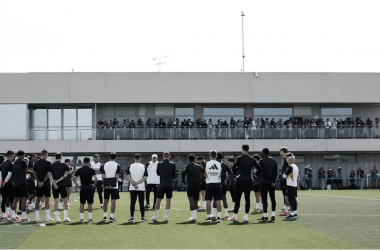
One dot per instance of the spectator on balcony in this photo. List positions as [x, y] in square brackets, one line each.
[177, 130]
[240, 129]
[169, 130]
[313, 131]
[161, 128]
[360, 125]
[251, 129]
[351, 126]
[210, 126]
[140, 129]
[124, 129]
[290, 128]
[110, 132]
[369, 127]
[327, 128]
[100, 127]
[233, 126]
[333, 130]
[296, 126]
[305, 129]
[340, 125]
[377, 128]
[116, 127]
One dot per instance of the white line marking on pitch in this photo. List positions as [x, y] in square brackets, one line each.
[342, 197]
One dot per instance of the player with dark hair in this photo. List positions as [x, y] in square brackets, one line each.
[69, 184]
[86, 194]
[166, 171]
[225, 171]
[58, 172]
[111, 169]
[256, 186]
[202, 194]
[96, 165]
[136, 174]
[194, 174]
[283, 152]
[242, 168]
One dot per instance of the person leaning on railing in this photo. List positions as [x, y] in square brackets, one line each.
[374, 173]
[322, 177]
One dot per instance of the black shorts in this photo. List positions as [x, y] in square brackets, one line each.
[60, 191]
[162, 191]
[86, 196]
[256, 188]
[69, 185]
[31, 188]
[43, 191]
[193, 192]
[213, 190]
[21, 190]
[114, 193]
[224, 189]
[203, 186]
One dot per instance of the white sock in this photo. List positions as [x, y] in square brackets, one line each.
[265, 215]
[7, 210]
[292, 213]
[90, 216]
[213, 211]
[233, 206]
[23, 215]
[226, 211]
[286, 208]
[33, 204]
[273, 213]
[245, 216]
[257, 205]
[192, 214]
[56, 215]
[4, 215]
[199, 203]
[29, 206]
[37, 212]
[235, 216]
[167, 213]
[296, 211]
[195, 214]
[220, 214]
[155, 213]
[208, 216]
[47, 211]
[65, 212]
[81, 216]
[13, 213]
[112, 215]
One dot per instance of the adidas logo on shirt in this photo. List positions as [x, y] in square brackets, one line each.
[214, 167]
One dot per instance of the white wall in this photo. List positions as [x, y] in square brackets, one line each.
[14, 121]
[191, 88]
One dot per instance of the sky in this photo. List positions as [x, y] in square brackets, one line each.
[197, 36]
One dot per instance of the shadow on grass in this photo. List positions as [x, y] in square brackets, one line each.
[158, 222]
[77, 223]
[101, 223]
[238, 223]
[186, 223]
[129, 223]
[207, 224]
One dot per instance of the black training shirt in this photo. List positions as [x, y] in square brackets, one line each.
[85, 174]
[19, 175]
[194, 174]
[58, 170]
[166, 171]
[268, 169]
[30, 167]
[243, 166]
[284, 166]
[225, 170]
[6, 167]
[41, 167]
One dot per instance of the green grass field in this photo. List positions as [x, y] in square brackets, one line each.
[328, 219]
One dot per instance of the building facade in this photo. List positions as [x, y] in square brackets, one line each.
[61, 112]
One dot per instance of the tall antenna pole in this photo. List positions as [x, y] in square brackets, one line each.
[242, 27]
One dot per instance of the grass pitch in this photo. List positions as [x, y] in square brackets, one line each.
[328, 219]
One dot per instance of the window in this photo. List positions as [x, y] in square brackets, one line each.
[339, 158]
[164, 110]
[40, 118]
[184, 113]
[84, 124]
[276, 113]
[224, 114]
[54, 122]
[338, 113]
[69, 123]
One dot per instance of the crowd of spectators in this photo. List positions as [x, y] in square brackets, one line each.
[248, 128]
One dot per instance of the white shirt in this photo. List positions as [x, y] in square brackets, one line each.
[137, 171]
[213, 170]
[110, 170]
[327, 124]
[291, 179]
[153, 178]
[96, 167]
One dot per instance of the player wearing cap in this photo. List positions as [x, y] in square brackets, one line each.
[194, 174]
[96, 165]
[136, 174]
[86, 194]
[213, 174]
[153, 181]
[166, 171]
